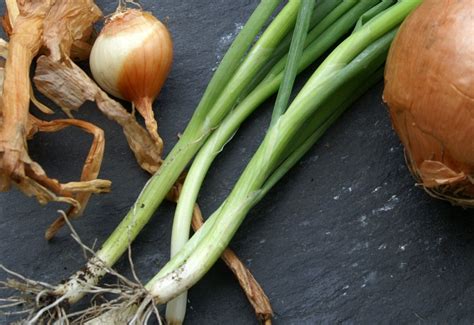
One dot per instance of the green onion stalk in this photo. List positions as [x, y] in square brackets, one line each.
[176, 309]
[337, 23]
[263, 91]
[337, 105]
[323, 8]
[359, 56]
[354, 65]
[238, 67]
[341, 78]
[294, 55]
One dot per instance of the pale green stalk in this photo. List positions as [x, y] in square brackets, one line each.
[326, 11]
[375, 54]
[265, 89]
[373, 12]
[347, 95]
[176, 308]
[330, 75]
[337, 105]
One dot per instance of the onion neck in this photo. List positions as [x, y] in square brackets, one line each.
[145, 108]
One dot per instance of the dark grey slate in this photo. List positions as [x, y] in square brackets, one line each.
[346, 237]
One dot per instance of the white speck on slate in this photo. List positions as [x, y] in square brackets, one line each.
[314, 158]
[378, 188]
[389, 205]
[224, 43]
[403, 247]
[363, 221]
[369, 279]
[263, 241]
[383, 246]
[345, 290]
[343, 190]
[347, 189]
[359, 246]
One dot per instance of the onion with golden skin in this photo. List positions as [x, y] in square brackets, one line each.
[429, 89]
[131, 60]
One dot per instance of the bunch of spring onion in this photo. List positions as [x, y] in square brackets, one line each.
[356, 64]
[245, 78]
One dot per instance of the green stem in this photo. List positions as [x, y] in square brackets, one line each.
[333, 72]
[325, 111]
[176, 308]
[324, 8]
[294, 55]
[231, 123]
[353, 91]
[373, 12]
[349, 94]
[234, 56]
[334, 26]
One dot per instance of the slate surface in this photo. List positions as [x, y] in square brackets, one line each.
[346, 237]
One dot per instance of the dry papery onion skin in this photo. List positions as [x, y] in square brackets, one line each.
[429, 89]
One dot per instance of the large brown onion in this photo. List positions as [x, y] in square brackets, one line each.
[429, 88]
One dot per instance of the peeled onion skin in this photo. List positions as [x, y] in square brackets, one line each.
[429, 89]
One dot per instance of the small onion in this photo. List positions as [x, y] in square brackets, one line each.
[131, 59]
[429, 89]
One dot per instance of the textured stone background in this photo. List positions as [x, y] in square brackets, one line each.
[345, 236]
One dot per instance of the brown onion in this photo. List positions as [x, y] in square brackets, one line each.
[429, 88]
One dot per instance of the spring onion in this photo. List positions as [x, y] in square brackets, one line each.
[334, 85]
[176, 309]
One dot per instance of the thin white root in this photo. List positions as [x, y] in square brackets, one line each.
[34, 299]
[41, 302]
[132, 305]
[128, 301]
